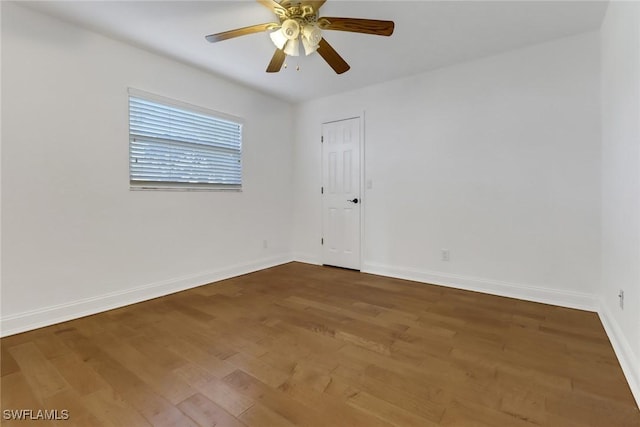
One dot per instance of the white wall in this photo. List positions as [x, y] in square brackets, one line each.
[620, 37]
[500, 160]
[497, 160]
[75, 239]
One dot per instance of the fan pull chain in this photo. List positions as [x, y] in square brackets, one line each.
[297, 66]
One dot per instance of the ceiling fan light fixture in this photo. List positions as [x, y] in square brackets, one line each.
[292, 48]
[299, 21]
[278, 39]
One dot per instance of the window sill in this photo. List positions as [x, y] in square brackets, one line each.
[183, 188]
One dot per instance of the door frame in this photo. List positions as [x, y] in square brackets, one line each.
[363, 200]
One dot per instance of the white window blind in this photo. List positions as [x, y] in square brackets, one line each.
[173, 145]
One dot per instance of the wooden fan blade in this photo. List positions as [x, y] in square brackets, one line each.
[276, 62]
[356, 25]
[239, 32]
[270, 4]
[329, 54]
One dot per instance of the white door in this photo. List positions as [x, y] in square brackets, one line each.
[341, 202]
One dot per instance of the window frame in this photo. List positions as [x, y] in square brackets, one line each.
[182, 186]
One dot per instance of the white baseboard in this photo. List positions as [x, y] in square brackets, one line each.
[306, 258]
[629, 361]
[578, 300]
[26, 321]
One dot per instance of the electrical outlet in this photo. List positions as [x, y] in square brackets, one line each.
[265, 244]
[621, 297]
[444, 255]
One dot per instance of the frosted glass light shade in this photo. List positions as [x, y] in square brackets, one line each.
[309, 47]
[278, 39]
[312, 33]
[292, 48]
[291, 29]
[311, 36]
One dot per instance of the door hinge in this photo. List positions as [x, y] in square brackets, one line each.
[322, 138]
[322, 241]
[321, 190]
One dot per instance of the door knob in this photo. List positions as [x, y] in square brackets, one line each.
[353, 201]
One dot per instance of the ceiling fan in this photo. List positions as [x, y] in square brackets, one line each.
[299, 22]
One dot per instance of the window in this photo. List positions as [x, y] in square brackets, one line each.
[179, 146]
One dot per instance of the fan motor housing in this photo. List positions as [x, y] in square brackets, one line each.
[303, 13]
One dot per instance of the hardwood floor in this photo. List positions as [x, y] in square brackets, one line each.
[317, 346]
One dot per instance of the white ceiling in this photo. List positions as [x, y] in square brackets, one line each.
[428, 35]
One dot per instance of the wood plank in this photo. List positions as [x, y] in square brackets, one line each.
[206, 413]
[78, 414]
[164, 382]
[7, 362]
[258, 369]
[425, 402]
[293, 411]
[17, 393]
[80, 376]
[112, 410]
[156, 409]
[388, 412]
[41, 375]
[216, 390]
[260, 416]
[332, 404]
[470, 414]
